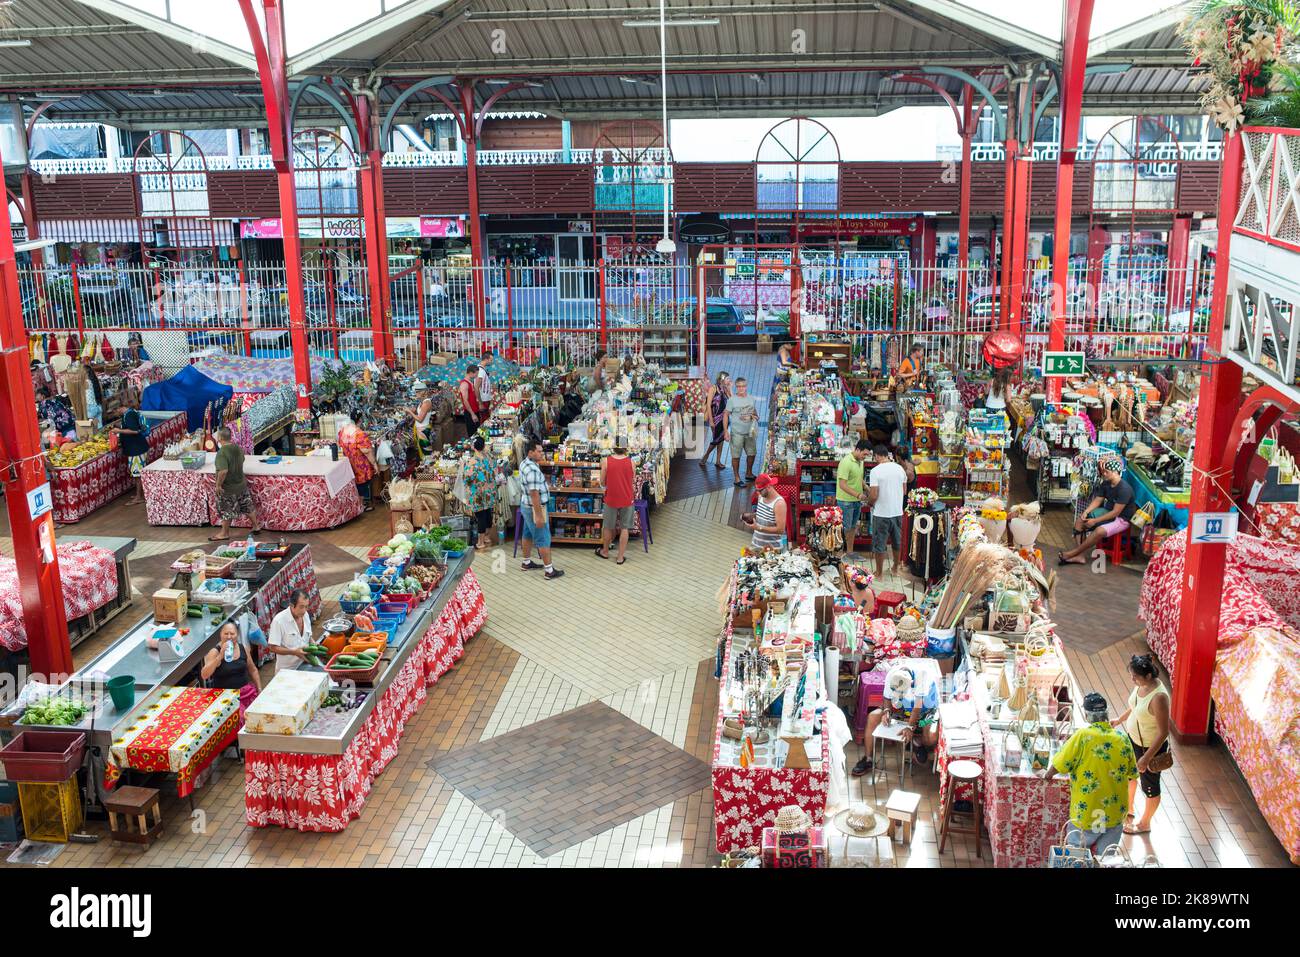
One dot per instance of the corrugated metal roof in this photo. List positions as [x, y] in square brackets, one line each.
[764, 58]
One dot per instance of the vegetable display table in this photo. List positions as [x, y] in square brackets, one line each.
[300, 493]
[181, 733]
[89, 578]
[319, 780]
[82, 489]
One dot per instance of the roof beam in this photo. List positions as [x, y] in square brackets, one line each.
[363, 33]
[444, 19]
[173, 31]
[993, 26]
[1147, 26]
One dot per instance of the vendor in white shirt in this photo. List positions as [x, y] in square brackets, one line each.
[290, 632]
[995, 399]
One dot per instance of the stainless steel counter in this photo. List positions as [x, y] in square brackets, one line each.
[408, 636]
[129, 655]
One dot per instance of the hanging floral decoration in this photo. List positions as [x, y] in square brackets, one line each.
[1248, 53]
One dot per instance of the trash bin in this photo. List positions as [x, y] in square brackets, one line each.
[122, 690]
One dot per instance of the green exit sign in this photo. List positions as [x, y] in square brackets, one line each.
[1062, 363]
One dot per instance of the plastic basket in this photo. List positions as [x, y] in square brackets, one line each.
[387, 623]
[353, 674]
[353, 607]
[43, 756]
[51, 812]
[393, 609]
[410, 600]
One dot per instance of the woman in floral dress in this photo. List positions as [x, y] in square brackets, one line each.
[480, 477]
[356, 445]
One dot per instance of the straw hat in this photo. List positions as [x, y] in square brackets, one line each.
[792, 818]
[861, 821]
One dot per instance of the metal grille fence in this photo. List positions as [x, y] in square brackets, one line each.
[1131, 307]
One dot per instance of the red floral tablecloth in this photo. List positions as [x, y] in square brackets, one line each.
[746, 800]
[1256, 692]
[1258, 590]
[284, 503]
[315, 792]
[81, 490]
[181, 733]
[1025, 814]
[1279, 521]
[89, 578]
[297, 571]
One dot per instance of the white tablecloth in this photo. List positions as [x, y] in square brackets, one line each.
[337, 475]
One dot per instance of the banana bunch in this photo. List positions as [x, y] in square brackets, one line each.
[72, 454]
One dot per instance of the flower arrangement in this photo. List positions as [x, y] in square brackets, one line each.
[920, 498]
[1248, 51]
[828, 515]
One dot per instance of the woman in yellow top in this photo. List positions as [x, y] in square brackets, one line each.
[1146, 722]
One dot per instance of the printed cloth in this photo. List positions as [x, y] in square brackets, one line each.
[80, 490]
[181, 733]
[247, 374]
[319, 792]
[89, 578]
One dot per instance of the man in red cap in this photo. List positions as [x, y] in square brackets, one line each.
[769, 519]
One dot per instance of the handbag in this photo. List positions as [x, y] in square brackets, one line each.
[1061, 854]
[1162, 761]
[1114, 856]
[1143, 516]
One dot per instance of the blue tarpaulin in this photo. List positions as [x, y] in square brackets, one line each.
[189, 391]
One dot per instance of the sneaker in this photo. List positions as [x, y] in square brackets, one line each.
[862, 767]
[529, 566]
[555, 573]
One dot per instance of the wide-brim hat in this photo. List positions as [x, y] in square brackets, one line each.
[792, 818]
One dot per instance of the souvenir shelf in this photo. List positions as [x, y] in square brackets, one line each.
[669, 347]
[1065, 435]
[816, 483]
[988, 466]
[572, 484]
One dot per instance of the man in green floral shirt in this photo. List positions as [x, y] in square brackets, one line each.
[1099, 761]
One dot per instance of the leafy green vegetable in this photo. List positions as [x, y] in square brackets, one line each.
[54, 711]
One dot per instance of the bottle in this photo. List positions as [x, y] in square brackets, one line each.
[250, 553]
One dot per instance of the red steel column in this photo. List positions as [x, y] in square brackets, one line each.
[963, 211]
[269, 50]
[1074, 45]
[22, 470]
[1098, 240]
[1014, 293]
[796, 297]
[375, 227]
[478, 285]
[1180, 237]
[1202, 594]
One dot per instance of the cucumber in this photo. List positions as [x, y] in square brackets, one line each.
[313, 660]
[194, 611]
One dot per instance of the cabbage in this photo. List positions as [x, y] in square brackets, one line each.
[398, 539]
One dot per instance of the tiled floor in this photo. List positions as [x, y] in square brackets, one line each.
[577, 729]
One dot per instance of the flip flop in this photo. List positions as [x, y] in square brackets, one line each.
[218, 538]
[597, 553]
[621, 561]
[1133, 829]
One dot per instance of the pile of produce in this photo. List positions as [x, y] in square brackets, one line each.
[399, 546]
[425, 575]
[362, 661]
[54, 711]
[71, 454]
[443, 537]
[317, 655]
[356, 590]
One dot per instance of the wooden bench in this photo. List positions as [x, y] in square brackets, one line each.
[134, 804]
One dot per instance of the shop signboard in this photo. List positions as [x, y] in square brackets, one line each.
[351, 227]
[1062, 364]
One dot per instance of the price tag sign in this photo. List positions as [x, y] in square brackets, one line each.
[1063, 364]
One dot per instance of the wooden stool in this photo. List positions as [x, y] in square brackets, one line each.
[961, 771]
[901, 809]
[134, 804]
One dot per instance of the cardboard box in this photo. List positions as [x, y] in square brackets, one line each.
[288, 703]
[442, 358]
[85, 429]
[764, 344]
[171, 605]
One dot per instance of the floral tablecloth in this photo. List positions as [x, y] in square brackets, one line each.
[89, 578]
[80, 490]
[251, 374]
[181, 733]
[1279, 521]
[746, 800]
[318, 792]
[1024, 814]
[1258, 590]
[1256, 692]
[284, 503]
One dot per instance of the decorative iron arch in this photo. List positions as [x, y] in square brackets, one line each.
[171, 178]
[791, 153]
[1122, 160]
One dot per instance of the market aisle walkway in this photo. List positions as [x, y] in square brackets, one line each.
[599, 689]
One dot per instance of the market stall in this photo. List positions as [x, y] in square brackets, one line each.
[310, 765]
[90, 578]
[95, 474]
[763, 763]
[290, 493]
[182, 733]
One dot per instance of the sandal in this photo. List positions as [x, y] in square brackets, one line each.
[597, 553]
[621, 561]
[218, 538]
[1134, 829]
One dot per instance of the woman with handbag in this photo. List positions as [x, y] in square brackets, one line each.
[1146, 722]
